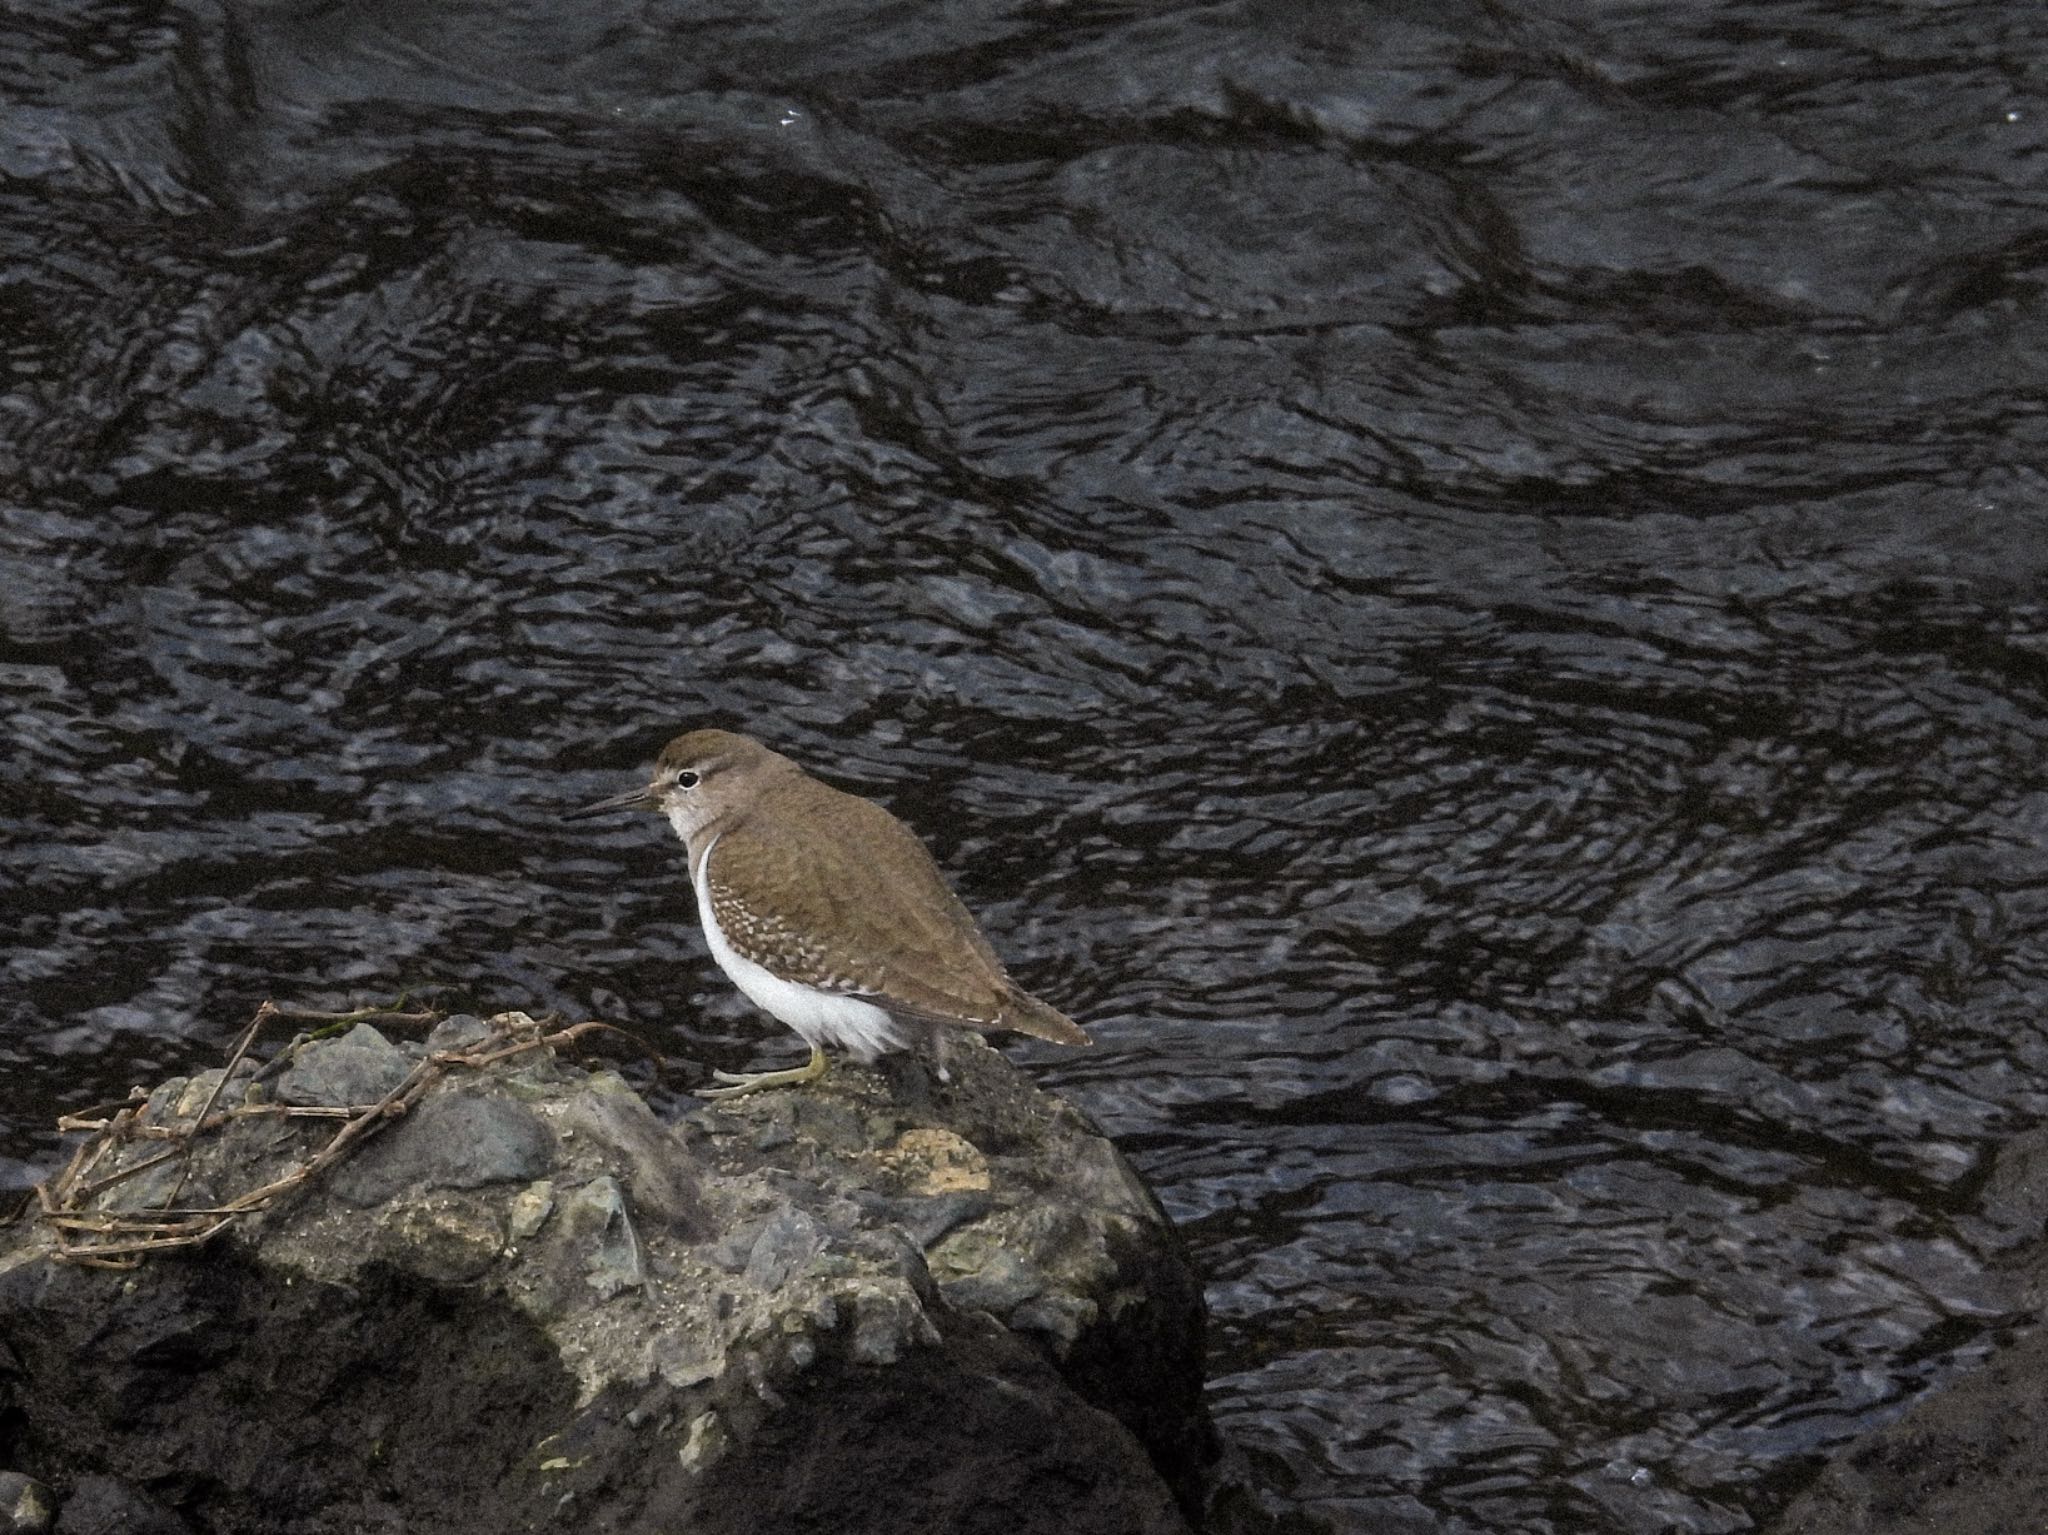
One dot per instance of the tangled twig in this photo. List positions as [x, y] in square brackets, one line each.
[121, 1239]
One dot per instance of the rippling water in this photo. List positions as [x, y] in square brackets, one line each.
[1464, 584]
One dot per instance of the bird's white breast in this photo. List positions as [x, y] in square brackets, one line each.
[860, 1028]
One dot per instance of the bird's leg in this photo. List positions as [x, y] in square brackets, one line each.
[941, 1055]
[740, 1083]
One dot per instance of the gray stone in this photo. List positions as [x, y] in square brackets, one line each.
[530, 1210]
[734, 1246]
[359, 1068]
[885, 1326]
[453, 1140]
[1062, 1317]
[1003, 1282]
[458, 1031]
[168, 1183]
[26, 1507]
[640, 1150]
[928, 1219]
[784, 1246]
[162, 1105]
[595, 1220]
[449, 1240]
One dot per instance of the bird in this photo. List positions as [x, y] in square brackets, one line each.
[826, 911]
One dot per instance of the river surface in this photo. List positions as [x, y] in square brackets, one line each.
[1467, 584]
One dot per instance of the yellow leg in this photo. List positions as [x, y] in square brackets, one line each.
[741, 1083]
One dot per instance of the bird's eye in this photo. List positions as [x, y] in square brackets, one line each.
[686, 779]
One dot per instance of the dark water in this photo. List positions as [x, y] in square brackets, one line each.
[1464, 583]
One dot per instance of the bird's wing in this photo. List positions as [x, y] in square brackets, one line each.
[902, 938]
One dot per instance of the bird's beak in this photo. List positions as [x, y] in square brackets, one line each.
[632, 799]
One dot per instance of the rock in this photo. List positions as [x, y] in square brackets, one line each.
[637, 1148]
[597, 1228]
[103, 1505]
[926, 1219]
[528, 1303]
[26, 1506]
[783, 1247]
[530, 1210]
[978, 1274]
[1971, 1459]
[360, 1067]
[455, 1140]
[458, 1031]
[2014, 1203]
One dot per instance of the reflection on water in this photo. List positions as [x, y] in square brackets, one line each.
[1464, 588]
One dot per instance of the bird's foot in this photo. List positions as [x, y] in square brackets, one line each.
[739, 1084]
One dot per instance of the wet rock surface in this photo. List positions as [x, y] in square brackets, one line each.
[872, 1303]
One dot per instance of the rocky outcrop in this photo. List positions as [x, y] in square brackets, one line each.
[875, 1303]
[1968, 1460]
[1971, 1457]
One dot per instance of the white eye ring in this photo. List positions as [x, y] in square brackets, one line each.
[687, 779]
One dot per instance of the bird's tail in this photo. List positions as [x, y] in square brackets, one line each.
[1027, 1015]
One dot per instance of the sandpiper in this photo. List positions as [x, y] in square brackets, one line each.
[826, 910]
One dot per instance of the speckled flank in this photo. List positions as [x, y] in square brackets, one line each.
[810, 1006]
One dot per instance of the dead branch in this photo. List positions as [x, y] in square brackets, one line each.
[121, 1239]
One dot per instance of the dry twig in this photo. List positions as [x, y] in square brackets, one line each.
[121, 1239]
